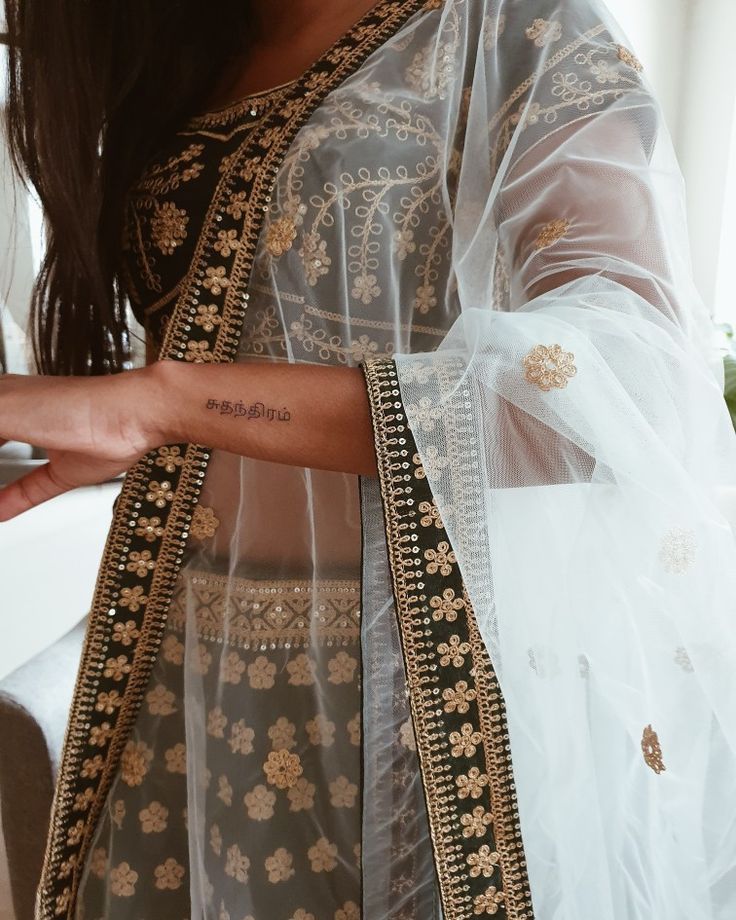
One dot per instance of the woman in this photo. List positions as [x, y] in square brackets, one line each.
[498, 679]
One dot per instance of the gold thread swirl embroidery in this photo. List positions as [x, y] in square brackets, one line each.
[549, 367]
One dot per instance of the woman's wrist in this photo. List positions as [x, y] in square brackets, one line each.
[161, 393]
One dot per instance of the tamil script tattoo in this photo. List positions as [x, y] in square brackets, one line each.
[254, 411]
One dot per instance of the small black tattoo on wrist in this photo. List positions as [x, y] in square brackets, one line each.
[254, 411]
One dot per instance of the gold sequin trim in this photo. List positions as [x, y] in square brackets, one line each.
[628, 57]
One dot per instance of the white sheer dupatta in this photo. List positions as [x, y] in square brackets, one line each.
[573, 431]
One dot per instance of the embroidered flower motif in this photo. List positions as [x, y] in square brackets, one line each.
[282, 768]
[301, 914]
[544, 32]
[132, 599]
[424, 298]
[465, 742]
[453, 652]
[432, 69]
[227, 242]
[349, 911]
[605, 72]
[261, 673]
[237, 864]
[301, 795]
[117, 668]
[551, 232]
[204, 523]
[160, 701]
[126, 633]
[301, 671]
[134, 763]
[414, 372]
[549, 366]
[173, 650]
[233, 668]
[154, 818]
[168, 875]
[169, 458]
[92, 766]
[447, 606]
[404, 243]
[477, 822]
[354, 729]
[677, 551]
[528, 114]
[208, 316]
[314, 258]
[363, 348]
[366, 288]
[199, 353]
[141, 563]
[488, 903]
[458, 698]
[216, 839]
[483, 862]
[224, 790]
[431, 515]
[62, 901]
[108, 702]
[160, 493]
[237, 205]
[441, 559]
[629, 58]
[280, 235]
[683, 660]
[423, 415]
[342, 668]
[149, 528]
[343, 792]
[176, 758]
[75, 833]
[100, 734]
[279, 866]
[169, 227]
[202, 660]
[98, 862]
[322, 855]
[216, 722]
[216, 279]
[241, 738]
[123, 880]
[321, 731]
[472, 784]
[259, 802]
[282, 734]
[652, 751]
[406, 735]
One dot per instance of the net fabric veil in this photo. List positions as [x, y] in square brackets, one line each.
[491, 198]
[573, 429]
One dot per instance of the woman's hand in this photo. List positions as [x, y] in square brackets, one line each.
[93, 428]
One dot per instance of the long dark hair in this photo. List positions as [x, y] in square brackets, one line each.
[93, 87]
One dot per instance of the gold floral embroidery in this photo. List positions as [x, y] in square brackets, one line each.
[322, 855]
[459, 698]
[216, 279]
[544, 32]
[117, 668]
[241, 738]
[447, 606]
[471, 784]
[176, 758]
[321, 731]
[260, 802]
[350, 910]
[227, 242]
[301, 795]
[224, 790]
[677, 552]
[233, 669]
[141, 563]
[237, 864]
[282, 768]
[629, 58]
[652, 751]
[123, 880]
[216, 839]
[160, 701]
[154, 818]
[169, 875]
[279, 866]
[135, 761]
[208, 316]
[118, 813]
[199, 353]
[483, 862]
[465, 742]
[169, 458]
[301, 671]
[99, 734]
[453, 652]
[343, 793]
[282, 733]
[549, 366]
[261, 673]
[160, 493]
[108, 702]
[488, 903]
[342, 668]
[280, 236]
[204, 523]
[477, 822]
[440, 560]
[169, 227]
[149, 528]
[551, 233]
[216, 722]
[132, 599]
[126, 633]
[430, 515]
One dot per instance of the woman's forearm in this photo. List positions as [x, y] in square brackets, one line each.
[297, 414]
